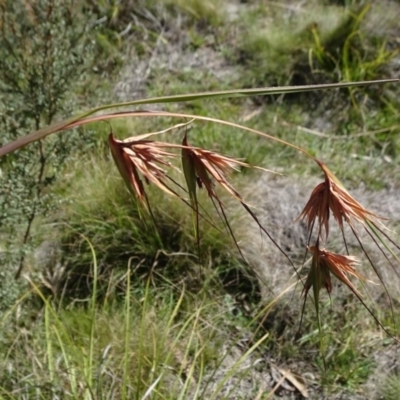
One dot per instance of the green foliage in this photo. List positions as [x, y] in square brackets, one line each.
[169, 346]
[205, 11]
[339, 48]
[10, 289]
[347, 367]
[347, 52]
[46, 50]
[268, 56]
[146, 22]
[348, 361]
[391, 387]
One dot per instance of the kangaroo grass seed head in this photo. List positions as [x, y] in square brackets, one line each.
[201, 165]
[141, 156]
[328, 197]
[323, 264]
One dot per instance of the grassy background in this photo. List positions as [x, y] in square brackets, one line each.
[113, 306]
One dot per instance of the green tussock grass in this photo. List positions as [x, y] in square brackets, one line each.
[391, 387]
[152, 342]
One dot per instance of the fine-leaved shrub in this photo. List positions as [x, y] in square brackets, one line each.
[46, 48]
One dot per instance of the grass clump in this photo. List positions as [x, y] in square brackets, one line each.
[391, 387]
[164, 249]
[152, 344]
[319, 43]
[206, 12]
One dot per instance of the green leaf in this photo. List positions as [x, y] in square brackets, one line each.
[189, 170]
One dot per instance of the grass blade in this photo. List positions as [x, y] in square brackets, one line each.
[41, 133]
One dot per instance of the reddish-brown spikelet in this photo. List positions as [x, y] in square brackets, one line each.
[331, 196]
[145, 157]
[325, 262]
[208, 164]
[203, 167]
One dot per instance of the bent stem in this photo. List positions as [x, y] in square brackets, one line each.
[59, 126]
[144, 113]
